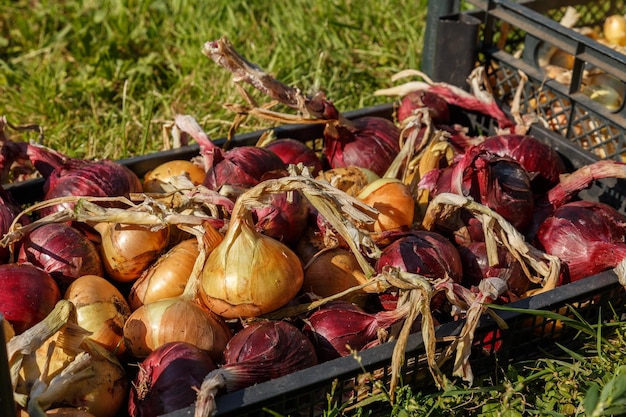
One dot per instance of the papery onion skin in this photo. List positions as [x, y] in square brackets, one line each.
[167, 277]
[437, 107]
[28, 295]
[338, 328]
[67, 176]
[175, 320]
[285, 217]
[540, 160]
[249, 274]
[293, 151]
[101, 309]
[393, 201]
[588, 237]
[333, 271]
[265, 350]
[367, 142]
[127, 250]
[241, 167]
[61, 250]
[8, 212]
[166, 379]
[351, 179]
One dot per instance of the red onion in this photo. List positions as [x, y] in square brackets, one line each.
[285, 217]
[499, 182]
[340, 327]
[61, 250]
[437, 107]
[166, 379]
[476, 267]
[589, 238]
[261, 351]
[426, 253]
[292, 151]
[28, 295]
[241, 167]
[67, 176]
[541, 161]
[367, 142]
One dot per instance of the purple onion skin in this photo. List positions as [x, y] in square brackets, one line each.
[76, 177]
[437, 107]
[541, 161]
[28, 295]
[366, 142]
[292, 151]
[285, 218]
[241, 167]
[62, 251]
[166, 378]
[589, 238]
[425, 253]
[499, 182]
[476, 267]
[338, 328]
[265, 350]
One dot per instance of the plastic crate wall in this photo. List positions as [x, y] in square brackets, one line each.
[506, 47]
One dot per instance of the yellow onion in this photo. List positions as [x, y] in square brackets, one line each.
[249, 274]
[101, 309]
[394, 202]
[350, 180]
[162, 174]
[182, 318]
[102, 392]
[615, 30]
[333, 271]
[175, 320]
[167, 277]
[128, 249]
[68, 412]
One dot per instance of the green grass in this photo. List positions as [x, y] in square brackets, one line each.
[102, 77]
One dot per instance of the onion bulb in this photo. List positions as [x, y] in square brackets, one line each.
[61, 250]
[127, 249]
[153, 181]
[249, 274]
[102, 392]
[166, 379]
[167, 277]
[333, 271]
[615, 30]
[175, 320]
[28, 295]
[100, 309]
[394, 202]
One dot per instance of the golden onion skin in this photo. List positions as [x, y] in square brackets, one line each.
[249, 274]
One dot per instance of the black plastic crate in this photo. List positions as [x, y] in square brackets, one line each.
[510, 36]
[307, 392]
